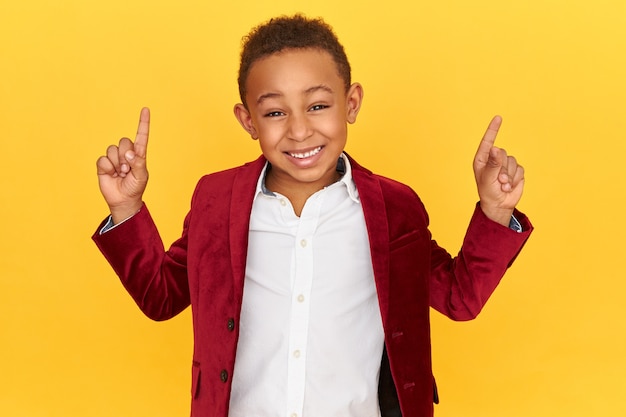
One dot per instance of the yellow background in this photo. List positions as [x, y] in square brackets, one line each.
[74, 74]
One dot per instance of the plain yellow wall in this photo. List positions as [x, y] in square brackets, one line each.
[74, 74]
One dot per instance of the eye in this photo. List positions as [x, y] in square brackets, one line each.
[274, 114]
[318, 107]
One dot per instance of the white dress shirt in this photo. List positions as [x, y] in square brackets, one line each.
[311, 335]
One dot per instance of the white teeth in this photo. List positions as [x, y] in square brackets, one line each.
[306, 154]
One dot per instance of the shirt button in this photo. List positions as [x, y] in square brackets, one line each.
[231, 324]
[303, 243]
[296, 354]
[294, 415]
[223, 375]
[300, 298]
[283, 202]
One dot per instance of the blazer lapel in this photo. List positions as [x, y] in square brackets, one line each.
[372, 200]
[244, 185]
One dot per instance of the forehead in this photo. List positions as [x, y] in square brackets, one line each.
[291, 71]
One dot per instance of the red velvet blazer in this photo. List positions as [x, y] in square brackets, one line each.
[206, 267]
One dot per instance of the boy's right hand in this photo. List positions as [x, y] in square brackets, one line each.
[122, 173]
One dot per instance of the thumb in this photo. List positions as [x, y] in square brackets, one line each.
[137, 165]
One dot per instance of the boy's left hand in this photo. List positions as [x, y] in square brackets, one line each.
[499, 178]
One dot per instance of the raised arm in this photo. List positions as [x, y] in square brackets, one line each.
[156, 279]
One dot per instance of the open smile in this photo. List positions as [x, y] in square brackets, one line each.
[307, 154]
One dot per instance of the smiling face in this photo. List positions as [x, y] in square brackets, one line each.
[298, 109]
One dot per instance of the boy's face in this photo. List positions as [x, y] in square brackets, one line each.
[298, 109]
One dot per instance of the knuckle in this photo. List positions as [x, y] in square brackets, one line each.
[125, 143]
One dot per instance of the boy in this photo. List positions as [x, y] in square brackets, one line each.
[310, 278]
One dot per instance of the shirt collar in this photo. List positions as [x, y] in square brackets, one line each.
[343, 168]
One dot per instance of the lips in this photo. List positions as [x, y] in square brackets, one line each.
[307, 154]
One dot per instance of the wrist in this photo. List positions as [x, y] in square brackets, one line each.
[497, 214]
[124, 211]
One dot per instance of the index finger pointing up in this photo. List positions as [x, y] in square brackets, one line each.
[489, 138]
[143, 130]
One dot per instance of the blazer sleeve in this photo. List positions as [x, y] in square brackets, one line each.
[156, 279]
[460, 286]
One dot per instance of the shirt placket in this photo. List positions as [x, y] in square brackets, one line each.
[302, 280]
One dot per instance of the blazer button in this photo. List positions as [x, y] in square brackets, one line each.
[231, 324]
[224, 375]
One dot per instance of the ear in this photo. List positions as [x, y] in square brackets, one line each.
[354, 98]
[245, 120]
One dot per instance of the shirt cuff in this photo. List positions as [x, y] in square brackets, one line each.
[514, 224]
[110, 226]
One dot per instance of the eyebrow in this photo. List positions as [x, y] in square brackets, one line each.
[308, 91]
[266, 96]
[322, 87]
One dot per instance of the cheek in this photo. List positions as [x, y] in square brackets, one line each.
[269, 132]
[335, 129]
[269, 137]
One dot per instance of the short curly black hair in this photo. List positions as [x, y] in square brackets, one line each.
[290, 32]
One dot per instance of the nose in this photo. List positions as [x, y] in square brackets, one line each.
[299, 127]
